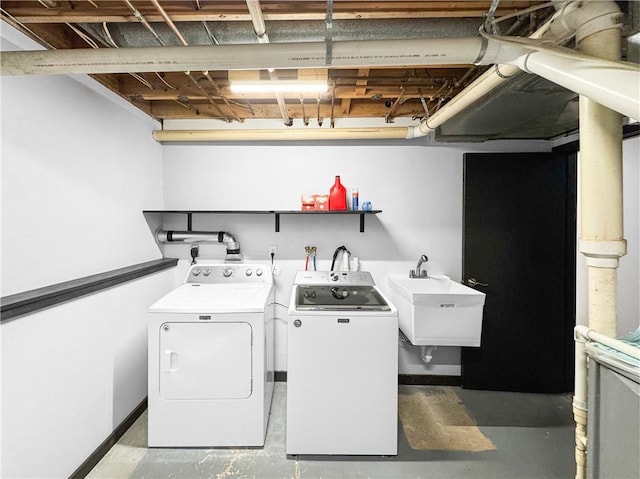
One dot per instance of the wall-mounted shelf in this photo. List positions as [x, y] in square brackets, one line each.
[276, 213]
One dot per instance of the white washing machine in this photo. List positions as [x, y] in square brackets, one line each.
[342, 373]
[211, 358]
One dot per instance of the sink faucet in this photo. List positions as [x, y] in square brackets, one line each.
[418, 273]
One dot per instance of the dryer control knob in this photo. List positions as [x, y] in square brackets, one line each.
[196, 271]
[206, 272]
[227, 272]
[248, 272]
[258, 272]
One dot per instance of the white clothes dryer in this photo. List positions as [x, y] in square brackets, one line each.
[211, 358]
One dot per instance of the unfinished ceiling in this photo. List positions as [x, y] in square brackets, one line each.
[389, 93]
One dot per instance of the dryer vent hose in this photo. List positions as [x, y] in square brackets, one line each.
[233, 246]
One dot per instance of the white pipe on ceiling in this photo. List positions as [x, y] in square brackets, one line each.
[612, 84]
[372, 53]
[480, 87]
[281, 134]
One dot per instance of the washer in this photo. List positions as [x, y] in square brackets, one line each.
[342, 374]
[211, 358]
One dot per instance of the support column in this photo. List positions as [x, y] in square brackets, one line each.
[601, 230]
[601, 234]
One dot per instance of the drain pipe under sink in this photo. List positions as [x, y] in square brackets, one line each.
[426, 353]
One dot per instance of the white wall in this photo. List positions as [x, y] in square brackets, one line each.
[78, 167]
[71, 374]
[629, 272]
[417, 187]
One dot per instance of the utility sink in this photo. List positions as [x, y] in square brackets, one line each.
[436, 311]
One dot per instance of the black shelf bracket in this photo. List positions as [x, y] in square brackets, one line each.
[361, 214]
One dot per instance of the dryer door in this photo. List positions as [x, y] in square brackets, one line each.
[205, 360]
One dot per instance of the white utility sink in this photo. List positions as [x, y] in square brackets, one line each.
[436, 311]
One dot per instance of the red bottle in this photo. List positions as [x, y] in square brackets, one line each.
[337, 196]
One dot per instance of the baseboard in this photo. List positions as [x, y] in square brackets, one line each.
[429, 380]
[86, 467]
[410, 379]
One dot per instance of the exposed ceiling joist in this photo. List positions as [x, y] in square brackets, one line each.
[222, 33]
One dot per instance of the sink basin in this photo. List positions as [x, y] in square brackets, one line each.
[436, 311]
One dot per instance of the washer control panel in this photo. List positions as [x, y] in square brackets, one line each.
[229, 273]
[334, 277]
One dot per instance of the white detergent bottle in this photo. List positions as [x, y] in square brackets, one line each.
[354, 264]
[345, 261]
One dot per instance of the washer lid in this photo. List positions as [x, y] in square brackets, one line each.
[339, 297]
[215, 298]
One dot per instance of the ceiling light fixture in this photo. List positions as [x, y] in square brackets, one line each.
[305, 81]
[279, 86]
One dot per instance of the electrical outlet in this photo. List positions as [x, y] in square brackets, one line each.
[273, 249]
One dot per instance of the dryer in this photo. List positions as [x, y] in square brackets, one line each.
[211, 358]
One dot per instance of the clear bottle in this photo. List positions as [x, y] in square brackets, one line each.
[337, 196]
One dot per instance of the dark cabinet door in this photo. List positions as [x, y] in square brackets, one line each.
[520, 240]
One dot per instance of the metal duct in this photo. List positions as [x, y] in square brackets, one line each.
[233, 246]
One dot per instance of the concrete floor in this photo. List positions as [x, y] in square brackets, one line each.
[532, 434]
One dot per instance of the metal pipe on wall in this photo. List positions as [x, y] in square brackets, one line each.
[233, 246]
